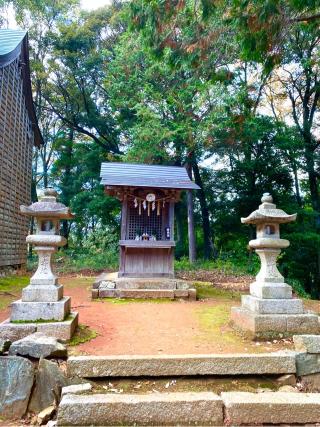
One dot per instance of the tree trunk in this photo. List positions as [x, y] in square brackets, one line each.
[191, 233]
[314, 193]
[209, 249]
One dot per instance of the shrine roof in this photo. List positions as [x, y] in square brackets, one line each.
[140, 175]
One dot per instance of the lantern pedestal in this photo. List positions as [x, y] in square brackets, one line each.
[270, 311]
[43, 306]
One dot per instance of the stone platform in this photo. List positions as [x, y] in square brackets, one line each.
[109, 285]
[62, 330]
[265, 326]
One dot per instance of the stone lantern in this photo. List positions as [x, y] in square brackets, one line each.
[42, 300]
[270, 309]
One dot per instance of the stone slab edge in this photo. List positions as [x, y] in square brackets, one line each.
[134, 366]
[243, 408]
[203, 408]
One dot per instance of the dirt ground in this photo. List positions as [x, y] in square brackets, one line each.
[159, 327]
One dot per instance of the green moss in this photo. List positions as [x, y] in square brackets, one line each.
[66, 319]
[214, 322]
[83, 334]
[10, 288]
[208, 290]
[12, 283]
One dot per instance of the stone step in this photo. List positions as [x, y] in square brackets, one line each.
[144, 293]
[172, 365]
[143, 409]
[200, 408]
[242, 408]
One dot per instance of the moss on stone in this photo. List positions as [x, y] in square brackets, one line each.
[83, 334]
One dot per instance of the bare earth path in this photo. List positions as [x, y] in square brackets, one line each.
[173, 327]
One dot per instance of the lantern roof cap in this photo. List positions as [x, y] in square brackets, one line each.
[268, 212]
[47, 207]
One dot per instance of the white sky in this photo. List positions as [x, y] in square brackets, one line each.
[94, 4]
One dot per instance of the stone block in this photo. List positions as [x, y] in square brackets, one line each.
[38, 293]
[272, 306]
[258, 324]
[307, 363]
[60, 330]
[108, 293]
[15, 331]
[181, 284]
[94, 293]
[145, 283]
[45, 415]
[307, 343]
[271, 290]
[192, 294]
[227, 364]
[16, 380]
[40, 310]
[311, 383]
[76, 389]
[288, 379]
[268, 325]
[181, 293]
[144, 409]
[49, 380]
[303, 323]
[145, 293]
[242, 408]
[38, 345]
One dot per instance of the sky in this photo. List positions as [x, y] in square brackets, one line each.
[93, 4]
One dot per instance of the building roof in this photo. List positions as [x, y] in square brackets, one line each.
[14, 43]
[140, 175]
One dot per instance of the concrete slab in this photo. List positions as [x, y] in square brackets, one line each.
[144, 409]
[243, 408]
[172, 365]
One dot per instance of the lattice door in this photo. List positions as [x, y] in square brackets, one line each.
[143, 223]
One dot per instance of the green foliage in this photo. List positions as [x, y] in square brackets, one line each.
[193, 83]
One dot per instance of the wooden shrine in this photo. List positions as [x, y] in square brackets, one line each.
[148, 195]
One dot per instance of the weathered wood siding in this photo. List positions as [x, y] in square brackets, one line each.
[16, 142]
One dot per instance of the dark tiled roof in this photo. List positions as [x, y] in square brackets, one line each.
[140, 175]
[14, 43]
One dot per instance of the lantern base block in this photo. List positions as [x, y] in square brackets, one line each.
[267, 326]
[40, 311]
[60, 330]
[271, 290]
[272, 306]
[42, 293]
